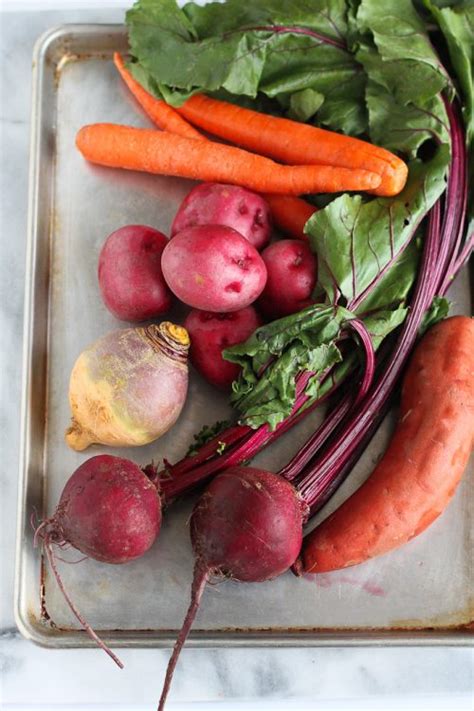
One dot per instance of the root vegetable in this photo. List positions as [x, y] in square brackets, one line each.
[216, 204]
[213, 268]
[128, 388]
[420, 471]
[130, 277]
[210, 333]
[110, 511]
[290, 214]
[294, 142]
[247, 525]
[163, 153]
[291, 270]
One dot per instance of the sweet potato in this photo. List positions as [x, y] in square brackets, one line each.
[421, 469]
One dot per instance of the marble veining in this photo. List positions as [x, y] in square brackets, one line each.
[283, 678]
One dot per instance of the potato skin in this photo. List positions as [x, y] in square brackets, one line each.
[291, 269]
[130, 277]
[213, 268]
[219, 204]
[210, 333]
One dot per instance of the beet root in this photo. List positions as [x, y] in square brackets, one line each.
[110, 511]
[247, 525]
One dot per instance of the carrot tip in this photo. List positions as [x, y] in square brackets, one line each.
[393, 180]
[374, 180]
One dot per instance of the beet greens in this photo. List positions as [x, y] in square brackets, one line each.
[368, 250]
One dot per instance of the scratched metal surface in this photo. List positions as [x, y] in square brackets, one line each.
[420, 594]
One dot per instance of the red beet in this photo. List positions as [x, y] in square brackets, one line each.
[291, 270]
[210, 333]
[130, 277]
[215, 204]
[110, 511]
[247, 525]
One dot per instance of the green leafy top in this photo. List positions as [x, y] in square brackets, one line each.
[357, 242]
[457, 26]
[218, 50]
[364, 67]
[232, 46]
[274, 355]
[205, 434]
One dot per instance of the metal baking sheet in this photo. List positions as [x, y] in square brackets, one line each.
[420, 594]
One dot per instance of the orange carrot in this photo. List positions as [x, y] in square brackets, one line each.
[167, 154]
[164, 116]
[293, 142]
[418, 474]
[289, 213]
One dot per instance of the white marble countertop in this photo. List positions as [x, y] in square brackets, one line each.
[33, 678]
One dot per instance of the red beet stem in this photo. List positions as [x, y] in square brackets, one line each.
[200, 578]
[284, 29]
[363, 335]
[242, 442]
[443, 243]
[93, 635]
[230, 436]
[291, 470]
[455, 206]
[246, 448]
[330, 424]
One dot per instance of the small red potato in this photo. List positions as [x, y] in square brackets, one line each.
[130, 277]
[291, 269]
[213, 268]
[210, 333]
[217, 204]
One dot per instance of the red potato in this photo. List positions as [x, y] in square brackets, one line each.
[130, 277]
[213, 268]
[291, 270]
[210, 333]
[421, 469]
[230, 205]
